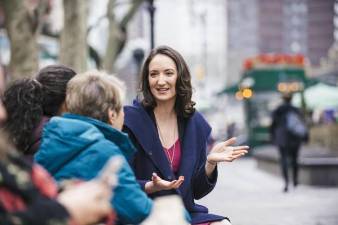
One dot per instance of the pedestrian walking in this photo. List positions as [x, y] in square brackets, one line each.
[171, 137]
[287, 131]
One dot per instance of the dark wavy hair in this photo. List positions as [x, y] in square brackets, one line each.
[23, 102]
[28, 100]
[54, 81]
[184, 106]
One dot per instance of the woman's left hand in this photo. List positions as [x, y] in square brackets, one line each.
[158, 184]
[224, 152]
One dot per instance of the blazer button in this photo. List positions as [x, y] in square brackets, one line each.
[169, 177]
[150, 153]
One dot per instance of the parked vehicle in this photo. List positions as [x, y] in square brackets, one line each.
[263, 79]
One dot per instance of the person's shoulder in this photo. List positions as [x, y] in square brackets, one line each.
[135, 108]
[200, 121]
[198, 117]
[131, 110]
[282, 109]
[294, 108]
[111, 148]
[72, 127]
[66, 123]
[136, 115]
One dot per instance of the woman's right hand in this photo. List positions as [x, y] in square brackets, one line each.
[158, 184]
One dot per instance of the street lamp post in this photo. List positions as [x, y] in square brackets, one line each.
[138, 55]
[151, 9]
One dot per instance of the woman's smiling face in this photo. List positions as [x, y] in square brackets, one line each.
[162, 78]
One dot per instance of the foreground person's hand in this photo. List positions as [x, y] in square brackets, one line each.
[87, 202]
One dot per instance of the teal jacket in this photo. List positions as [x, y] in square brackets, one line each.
[75, 146]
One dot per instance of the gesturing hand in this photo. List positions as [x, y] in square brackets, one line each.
[223, 152]
[158, 184]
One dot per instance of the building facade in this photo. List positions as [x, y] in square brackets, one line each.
[278, 26]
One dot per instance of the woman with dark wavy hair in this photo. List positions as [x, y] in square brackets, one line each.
[31, 102]
[171, 136]
[23, 100]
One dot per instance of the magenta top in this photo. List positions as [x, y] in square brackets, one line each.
[174, 155]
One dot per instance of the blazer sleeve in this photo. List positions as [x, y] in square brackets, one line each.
[202, 184]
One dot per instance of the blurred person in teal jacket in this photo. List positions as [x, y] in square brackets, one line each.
[78, 144]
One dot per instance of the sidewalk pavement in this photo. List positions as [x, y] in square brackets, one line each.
[249, 196]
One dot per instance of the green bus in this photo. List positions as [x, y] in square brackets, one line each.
[267, 84]
[260, 88]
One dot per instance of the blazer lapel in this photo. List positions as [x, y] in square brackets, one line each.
[188, 159]
[145, 130]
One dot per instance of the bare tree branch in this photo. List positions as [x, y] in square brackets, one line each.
[117, 32]
[110, 10]
[40, 12]
[131, 12]
[96, 23]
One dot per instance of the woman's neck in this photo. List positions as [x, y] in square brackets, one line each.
[166, 123]
[165, 110]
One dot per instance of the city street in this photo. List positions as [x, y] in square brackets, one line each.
[252, 197]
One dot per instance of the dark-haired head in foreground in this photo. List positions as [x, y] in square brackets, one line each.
[31, 102]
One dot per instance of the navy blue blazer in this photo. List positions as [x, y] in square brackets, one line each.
[194, 132]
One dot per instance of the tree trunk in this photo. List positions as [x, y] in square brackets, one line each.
[23, 26]
[117, 36]
[73, 46]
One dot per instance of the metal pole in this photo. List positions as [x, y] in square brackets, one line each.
[151, 9]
